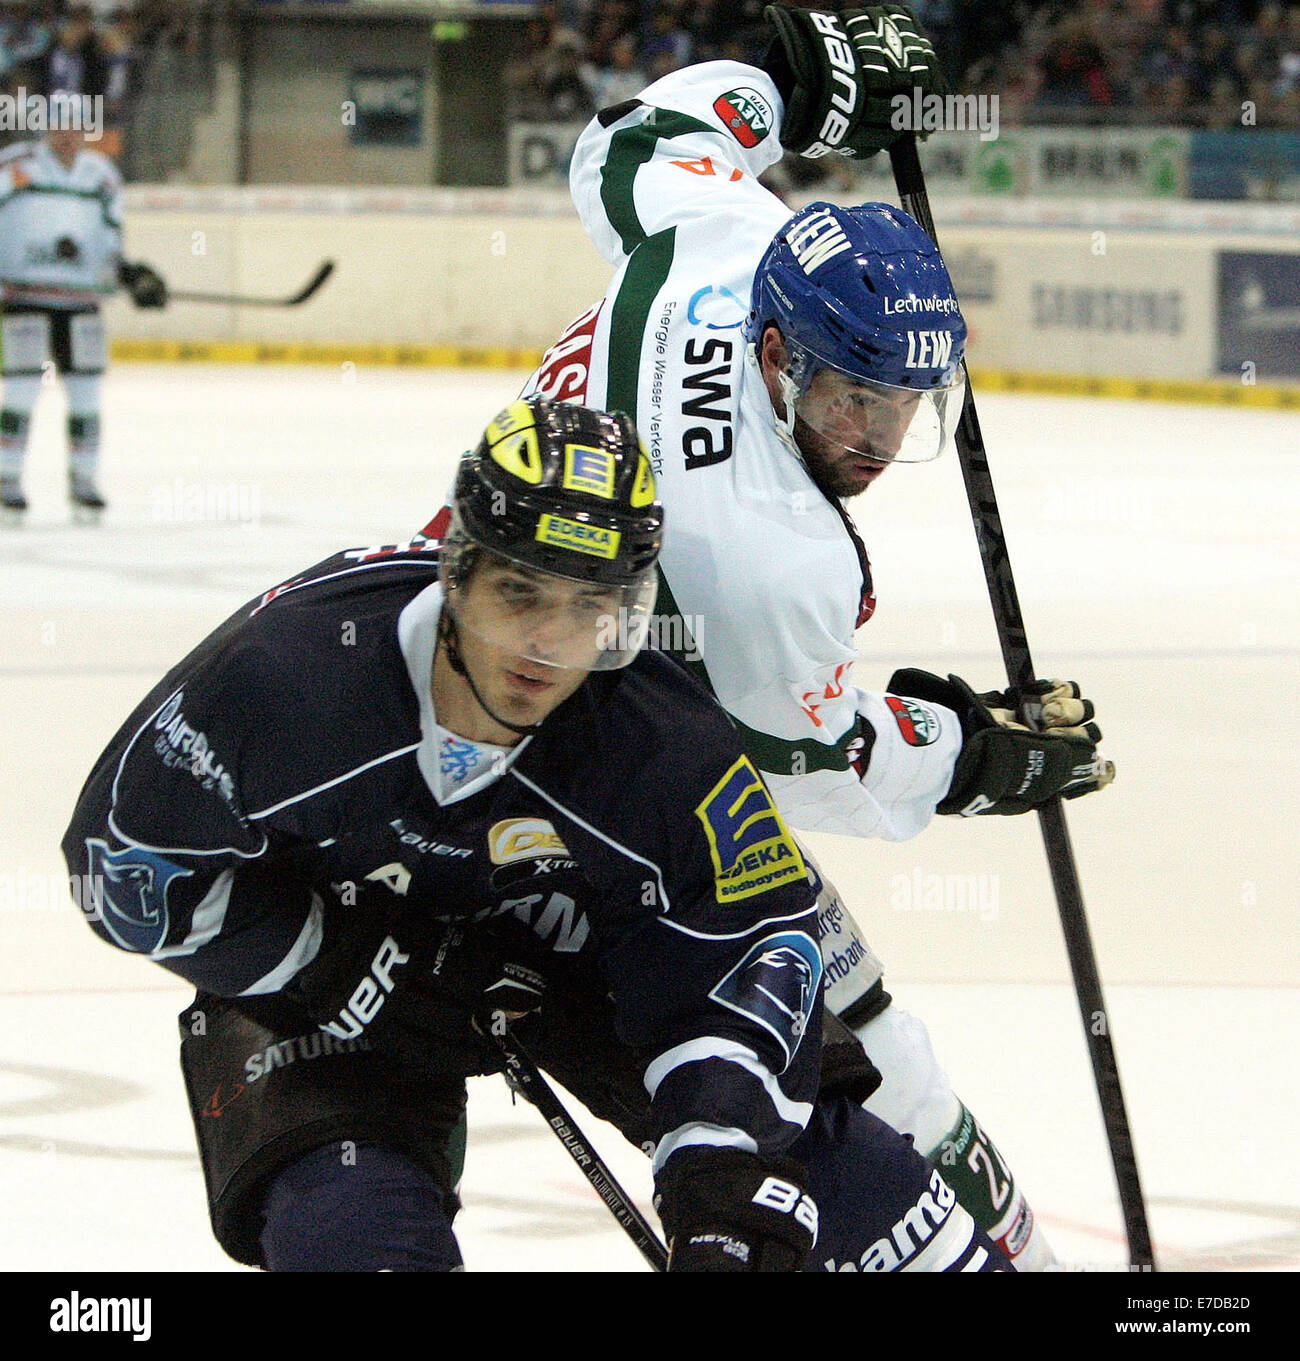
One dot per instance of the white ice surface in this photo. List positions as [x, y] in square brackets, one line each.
[1155, 549]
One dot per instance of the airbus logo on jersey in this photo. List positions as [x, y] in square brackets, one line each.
[776, 984]
[180, 745]
[130, 893]
[928, 349]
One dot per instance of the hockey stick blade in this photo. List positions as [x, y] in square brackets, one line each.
[910, 182]
[311, 287]
[525, 1076]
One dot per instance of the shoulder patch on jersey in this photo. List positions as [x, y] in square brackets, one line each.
[745, 114]
[129, 891]
[776, 984]
[919, 724]
[751, 847]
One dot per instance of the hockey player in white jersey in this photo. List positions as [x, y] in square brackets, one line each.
[776, 366]
[60, 255]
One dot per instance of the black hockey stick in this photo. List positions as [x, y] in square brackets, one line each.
[234, 299]
[910, 181]
[525, 1076]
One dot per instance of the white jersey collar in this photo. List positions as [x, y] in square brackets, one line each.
[417, 636]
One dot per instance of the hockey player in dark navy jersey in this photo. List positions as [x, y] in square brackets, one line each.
[413, 785]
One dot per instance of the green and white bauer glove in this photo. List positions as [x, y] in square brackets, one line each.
[839, 75]
[1004, 765]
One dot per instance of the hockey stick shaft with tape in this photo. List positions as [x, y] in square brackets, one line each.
[910, 181]
[527, 1078]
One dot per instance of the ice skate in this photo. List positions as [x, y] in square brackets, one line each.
[13, 504]
[87, 504]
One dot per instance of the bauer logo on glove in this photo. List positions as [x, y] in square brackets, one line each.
[839, 75]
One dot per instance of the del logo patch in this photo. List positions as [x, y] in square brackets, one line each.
[918, 724]
[130, 890]
[776, 984]
[746, 115]
[523, 839]
[751, 848]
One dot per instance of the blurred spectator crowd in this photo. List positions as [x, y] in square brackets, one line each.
[101, 49]
[1214, 64]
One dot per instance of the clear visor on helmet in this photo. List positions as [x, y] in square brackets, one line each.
[544, 618]
[880, 422]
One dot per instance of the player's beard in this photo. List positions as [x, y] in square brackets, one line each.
[837, 471]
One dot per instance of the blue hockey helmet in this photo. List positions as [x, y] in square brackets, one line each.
[864, 293]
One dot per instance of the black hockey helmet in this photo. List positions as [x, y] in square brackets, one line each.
[567, 491]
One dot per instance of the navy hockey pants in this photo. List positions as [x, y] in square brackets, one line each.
[882, 1207]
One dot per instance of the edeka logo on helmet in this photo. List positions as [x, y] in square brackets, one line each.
[861, 341]
[555, 531]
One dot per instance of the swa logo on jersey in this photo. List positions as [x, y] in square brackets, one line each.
[751, 848]
[928, 349]
[776, 984]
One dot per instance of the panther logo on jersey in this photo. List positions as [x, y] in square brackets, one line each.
[776, 984]
[129, 892]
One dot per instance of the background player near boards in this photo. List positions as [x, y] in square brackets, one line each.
[60, 256]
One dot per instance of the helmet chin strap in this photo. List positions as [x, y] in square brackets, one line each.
[789, 393]
[447, 634]
[785, 424]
